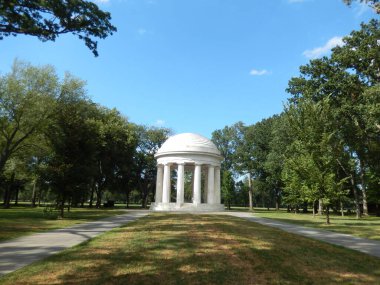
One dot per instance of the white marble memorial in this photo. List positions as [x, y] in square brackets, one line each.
[198, 157]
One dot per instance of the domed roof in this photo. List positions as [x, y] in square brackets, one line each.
[188, 143]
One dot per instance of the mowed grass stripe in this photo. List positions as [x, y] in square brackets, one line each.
[20, 221]
[200, 249]
[366, 227]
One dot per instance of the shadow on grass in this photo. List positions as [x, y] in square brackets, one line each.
[201, 249]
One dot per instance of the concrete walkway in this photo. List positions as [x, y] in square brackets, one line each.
[22, 251]
[371, 247]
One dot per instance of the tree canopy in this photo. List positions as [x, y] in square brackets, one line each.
[46, 20]
[325, 146]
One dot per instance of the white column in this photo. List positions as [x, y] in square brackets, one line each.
[217, 185]
[205, 187]
[180, 184]
[159, 184]
[166, 184]
[211, 185]
[197, 185]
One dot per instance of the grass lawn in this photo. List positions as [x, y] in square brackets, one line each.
[19, 221]
[200, 249]
[366, 227]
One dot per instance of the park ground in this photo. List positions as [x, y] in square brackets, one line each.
[366, 227]
[200, 249]
[24, 220]
[194, 249]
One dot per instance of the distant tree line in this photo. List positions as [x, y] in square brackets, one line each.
[323, 150]
[59, 147]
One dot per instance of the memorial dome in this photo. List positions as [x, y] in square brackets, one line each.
[188, 143]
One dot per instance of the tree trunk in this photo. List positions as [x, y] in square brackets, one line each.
[62, 206]
[8, 192]
[69, 204]
[92, 195]
[39, 197]
[127, 201]
[250, 192]
[364, 189]
[99, 196]
[5, 197]
[353, 188]
[34, 194]
[328, 215]
[356, 196]
[277, 202]
[16, 196]
[341, 208]
[320, 207]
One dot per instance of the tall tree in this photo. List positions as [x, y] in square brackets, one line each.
[227, 140]
[47, 20]
[149, 141]
[228, 188]
[311, 167]
[345, 77]
[70, 138]
[27, 100]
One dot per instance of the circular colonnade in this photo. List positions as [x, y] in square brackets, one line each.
[197, 157]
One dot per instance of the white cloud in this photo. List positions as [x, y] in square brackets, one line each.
[319, 51]
[256, 72]
[361, 8]
[159, 123]
[102, 1]
[141, 31]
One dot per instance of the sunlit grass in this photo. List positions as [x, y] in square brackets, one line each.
[19, 221]
[366, 227]
[200, 249]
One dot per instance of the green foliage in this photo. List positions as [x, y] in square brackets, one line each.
[27, 100]
[150, 140]
[326, 143]
[47, 20]
[227, 140]
[373, 3]
[56, 144]
[227, 187]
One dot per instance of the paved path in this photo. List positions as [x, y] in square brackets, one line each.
[371, 247]
[22, 251]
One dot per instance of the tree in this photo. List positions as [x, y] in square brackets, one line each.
[71, 140]
[149, 141]
[115, 148]
[311, 170]
[227, 140]
[251, 153]
[274, 163]
[27, 101]
[373, 3]
[228, 187]
[46, 20]
[346, 77]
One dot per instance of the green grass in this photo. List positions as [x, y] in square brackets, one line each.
[200, 249]
[19, 221]
[366, 227]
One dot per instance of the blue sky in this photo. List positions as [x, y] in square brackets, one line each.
[196, 65]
